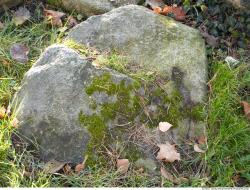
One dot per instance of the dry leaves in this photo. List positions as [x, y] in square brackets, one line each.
[2, 112]
[54, 17]
[79, 168]
[19, 52]
[21, 16]
[164, 126]
[167, 153]
[67, 170]
[53, 166]
[246, 107]
[177, 12]
[198, 149]
[122, 165]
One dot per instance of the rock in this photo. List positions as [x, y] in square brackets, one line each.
[241, 4]
[58, 109]
[92, 7]
[5, 4]
[152, 42]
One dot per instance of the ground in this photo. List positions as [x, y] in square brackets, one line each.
[226, 162]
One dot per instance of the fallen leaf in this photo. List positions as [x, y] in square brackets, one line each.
[198, 149]
[21, 16]
[19, 52]
[27, 174]
[67, 169]
[54, 17]
[2, 112]
[122, 165]
[178, 13]
[210, 39]
[202, 139]
[246, 107]
[53, 166]
[79, 167]
[154, 3]
[167, 175]
[164, 126]
[1, 25]
[167, 153]
[15, 123]
[71, 22]
[157, 10]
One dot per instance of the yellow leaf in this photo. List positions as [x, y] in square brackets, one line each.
[167, 153]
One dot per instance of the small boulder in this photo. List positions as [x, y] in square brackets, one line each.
[92, 7]
[152, 42]
[5, 4]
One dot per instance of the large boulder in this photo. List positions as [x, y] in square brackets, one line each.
[5, 4]
[92, 7]
[59, 109]
[152, 42]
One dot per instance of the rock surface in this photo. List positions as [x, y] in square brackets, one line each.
[242, 4]
[5, 4]
[51, 99]
[92, 7]
[153, 42]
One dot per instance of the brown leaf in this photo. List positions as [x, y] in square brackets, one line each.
[21, 16]
[198, 149]
[54, 17]
[67, 170]
[202, 139]
[167, 153]
[2, 112]
[167, 175]
[27, 174]
[15, 123]
[164, 126]
[53, 166]
[79, 167]
[154, 3]
[72, 22]
[178, 12]
[122, 165]
[246, 107]
[157, 10]
[19, 52]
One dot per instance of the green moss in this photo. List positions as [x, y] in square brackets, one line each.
[54, 2]
[126, 107]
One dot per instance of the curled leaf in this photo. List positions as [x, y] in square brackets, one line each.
[167, 153]
[178, 13]
[54, 17]
[198, 149]
[21, 16]
[246, 107]
[122, 165]
[19, 52]
[2, 112]
[164, 126]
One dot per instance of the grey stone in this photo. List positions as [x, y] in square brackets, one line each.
[5, 4]
[241, 4]
[93, 7]
[154, 43]
[50, 101]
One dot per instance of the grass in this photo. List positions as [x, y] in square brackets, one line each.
[228, 129]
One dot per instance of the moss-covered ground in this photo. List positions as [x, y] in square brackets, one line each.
[227, 160]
